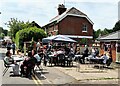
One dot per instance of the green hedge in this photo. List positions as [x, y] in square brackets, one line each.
[27, 35]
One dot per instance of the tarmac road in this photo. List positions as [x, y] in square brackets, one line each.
[8, 78]
[49, 76]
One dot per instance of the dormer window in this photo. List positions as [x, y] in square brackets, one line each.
[84, 29]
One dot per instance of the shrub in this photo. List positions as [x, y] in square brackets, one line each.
[27, 35]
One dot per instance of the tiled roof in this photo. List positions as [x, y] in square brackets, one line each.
[72, 12]
[112, 36]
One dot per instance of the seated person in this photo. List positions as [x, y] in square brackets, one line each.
[60, 51]
[93, 52]
[105, 57]
[54, 52]
[9, 62]
[28, 64]
[77, 51]
[8, 59]
[38, 57]
[109, 60]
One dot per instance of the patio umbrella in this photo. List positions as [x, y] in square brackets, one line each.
[48, 39]
[58, 38]
[61, 38]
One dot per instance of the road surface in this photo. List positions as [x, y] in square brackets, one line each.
[49, 75]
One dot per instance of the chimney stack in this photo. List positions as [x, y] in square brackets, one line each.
[61, 9]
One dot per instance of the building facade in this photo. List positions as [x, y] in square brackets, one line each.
[71, 23]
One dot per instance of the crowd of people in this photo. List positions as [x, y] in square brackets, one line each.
[106, 57]
[41, 53]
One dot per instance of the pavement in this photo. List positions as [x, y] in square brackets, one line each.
[78, 74]
[87, 74]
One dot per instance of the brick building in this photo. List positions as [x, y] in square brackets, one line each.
[71, 23]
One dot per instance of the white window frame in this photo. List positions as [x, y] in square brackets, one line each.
[84, 28]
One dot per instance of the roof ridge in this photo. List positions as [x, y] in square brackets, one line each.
[78, 10]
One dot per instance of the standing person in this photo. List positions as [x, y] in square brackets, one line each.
[8, 46]
[85, 54]
[13, 47]
[49, 47]
[45, 57]
[38, 45]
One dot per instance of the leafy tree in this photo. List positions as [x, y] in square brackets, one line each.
[96, 33]
[27, 34]
[1, 29]
[117, 26]
[2, 35]
[100, 32]
[84, 41]
[3, 32]
[104, 32]
[15, 26]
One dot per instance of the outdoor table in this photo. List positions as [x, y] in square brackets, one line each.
[97, 61]
[77, 57]
[51, 55]
[18, 58]
[51, 58]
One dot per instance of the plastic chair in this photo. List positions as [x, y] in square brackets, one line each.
[61, 59]
[6, 67]
[70, 59]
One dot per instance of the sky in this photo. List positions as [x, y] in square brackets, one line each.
[103, 13]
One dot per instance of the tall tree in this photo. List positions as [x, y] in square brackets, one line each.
[104, 32]
[100, 32]
[1, 29]
[96, 33]
[16, 25]
[3, 32]
[117, 26]
[2, 35]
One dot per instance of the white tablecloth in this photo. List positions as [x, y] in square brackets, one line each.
[78, 55]
[18, 58]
